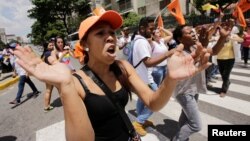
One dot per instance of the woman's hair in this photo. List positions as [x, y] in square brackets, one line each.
[145, 21]
[122, 75]
[133, 35]
[57, 48]
[177, 33]
[45, 48]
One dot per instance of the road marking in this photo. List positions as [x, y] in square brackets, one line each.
[234, 87]
[241, 70]
[240, 78]
[57, 132]
[150, 137]
[53, 132]
[231, 103]
[173, 111]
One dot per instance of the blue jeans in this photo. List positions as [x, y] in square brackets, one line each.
[189, 120]
[21, 84]
[158, 74]
[143, 112]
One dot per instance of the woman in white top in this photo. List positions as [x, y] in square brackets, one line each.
[159, 47]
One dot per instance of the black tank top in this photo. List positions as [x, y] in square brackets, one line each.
[105, 119]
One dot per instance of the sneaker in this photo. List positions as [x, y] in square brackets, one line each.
[14, 102]
[35, 94]
[139, 128]
[245, 65]
[48, 109]
[148, 123]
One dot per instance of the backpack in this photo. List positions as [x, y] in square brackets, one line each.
[130, 54]
[127, 48]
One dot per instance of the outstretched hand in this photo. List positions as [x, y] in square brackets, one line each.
[55, 74]
[181, 65]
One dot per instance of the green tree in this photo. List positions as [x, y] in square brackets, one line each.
[55, 29]
[38, 32]
[47, 11]
[52, 14]
[131, 20]
[2, 45]
[40, 35]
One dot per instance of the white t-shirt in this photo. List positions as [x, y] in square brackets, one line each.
[235, 30]
[124, 40]
[19, 70]
[141, 50]
[159, 49]
[150, 77]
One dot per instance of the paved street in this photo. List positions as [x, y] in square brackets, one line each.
[28, 122]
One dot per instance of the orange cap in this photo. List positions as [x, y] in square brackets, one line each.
[110, 16]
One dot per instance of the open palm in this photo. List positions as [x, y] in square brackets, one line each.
[54, 74]
[181, 65]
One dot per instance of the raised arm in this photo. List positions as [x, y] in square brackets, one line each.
[169, 34]
[180, 66]
[218, 46]
[77, 123]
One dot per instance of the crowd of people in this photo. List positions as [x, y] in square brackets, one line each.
[165, 62]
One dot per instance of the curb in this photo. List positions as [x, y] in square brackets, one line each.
[8, 83]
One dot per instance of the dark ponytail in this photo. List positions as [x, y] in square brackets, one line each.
[122, 75]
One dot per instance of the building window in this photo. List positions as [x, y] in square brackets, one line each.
[125, 5]
[142, 10]
[164, 3]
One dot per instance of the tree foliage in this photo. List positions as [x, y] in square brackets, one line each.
[131, 20]
[2, 45]
[55, 17]
[44, 34]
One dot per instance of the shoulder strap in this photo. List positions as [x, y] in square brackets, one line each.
[133, 54]
[111, 96]
[137, 64]
[86, 89]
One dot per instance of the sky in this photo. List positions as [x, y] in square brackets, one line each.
[14, 17]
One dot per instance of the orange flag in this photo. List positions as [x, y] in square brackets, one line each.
[160, 21]
[175, 10]
[244, 5]
[98, 11]
[239, 14]
[160, 24]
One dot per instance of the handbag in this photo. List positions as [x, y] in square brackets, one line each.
[132, 133]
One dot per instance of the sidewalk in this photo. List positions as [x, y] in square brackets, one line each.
[6, 80]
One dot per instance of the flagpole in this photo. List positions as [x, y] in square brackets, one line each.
[160, 13]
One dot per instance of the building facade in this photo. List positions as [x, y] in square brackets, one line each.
[11, 37]
[3, 35]
[141, 7]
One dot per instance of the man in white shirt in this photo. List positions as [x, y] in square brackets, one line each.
[142, 53]
[125, 39]
[23, 78]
